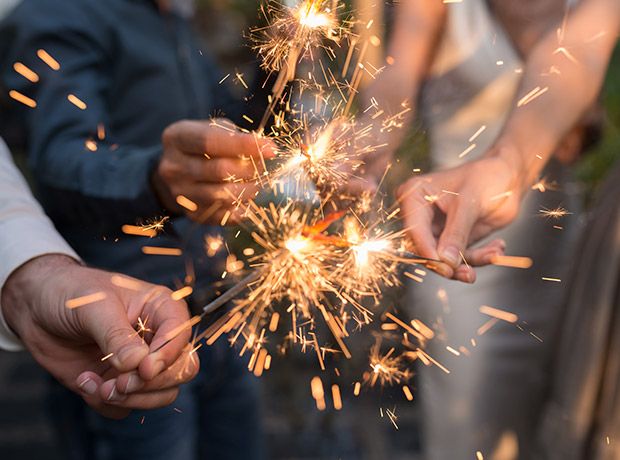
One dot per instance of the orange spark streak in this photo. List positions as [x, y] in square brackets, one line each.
[512, 261]
[336, 397]
[48, 59]
[499, 314]
[124, 282]
[76, 101]
[316, 386]
[182, 293]
[86, 300]
[19, 97]
[26, 72]
[158, 251]
[138, 231]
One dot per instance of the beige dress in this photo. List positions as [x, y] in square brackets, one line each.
[490, 401]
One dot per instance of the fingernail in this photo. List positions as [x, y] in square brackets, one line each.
[88, 386]
[450, 255]
[133, 384]
[115, 395]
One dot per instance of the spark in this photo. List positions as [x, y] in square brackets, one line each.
[138, 230]
[86, 300]
[467, 150]
[26, 72]
[76, 101]
[316, 386]
[91, 145]
[161, 251]
[556, 213]
[126, 283]
[499, 314]
[213, 244]
[179, 294]
[555, 280]
[387, 369]
[543, 185]
[186, 203]
[19, 97]
[512, 261]
[477, 133]
[534, 94]
[336, 397]
[48, 59]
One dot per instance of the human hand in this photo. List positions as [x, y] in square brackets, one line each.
[71, 342]
[447, 211]
[213, 165]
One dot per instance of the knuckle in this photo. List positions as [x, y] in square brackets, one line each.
[116, 335]
[167, 169]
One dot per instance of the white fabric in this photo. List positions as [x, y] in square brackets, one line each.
[472, 83]
[25, 232]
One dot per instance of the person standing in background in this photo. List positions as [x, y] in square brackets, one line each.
[503, 89]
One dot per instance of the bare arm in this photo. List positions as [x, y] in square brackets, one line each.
[568, 66]
[560, 82]
[417, 27]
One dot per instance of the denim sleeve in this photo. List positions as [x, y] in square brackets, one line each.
[82, 173]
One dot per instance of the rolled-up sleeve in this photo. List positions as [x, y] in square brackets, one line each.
[25, 233]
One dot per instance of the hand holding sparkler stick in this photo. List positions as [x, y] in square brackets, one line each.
[208, 168]
[70, 316]
[474, 199]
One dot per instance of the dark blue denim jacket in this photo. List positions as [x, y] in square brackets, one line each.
[138, 70]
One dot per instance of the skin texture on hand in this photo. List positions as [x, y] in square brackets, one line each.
[213, 165]
[71, 342]
[447, 211]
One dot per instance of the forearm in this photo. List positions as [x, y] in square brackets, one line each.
[417, 30]
[562, 78]
[25, 233]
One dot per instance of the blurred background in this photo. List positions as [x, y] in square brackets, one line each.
[295, 429]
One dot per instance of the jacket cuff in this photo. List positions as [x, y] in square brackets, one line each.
[31, 237]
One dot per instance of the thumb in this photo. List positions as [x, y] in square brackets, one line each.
[108, 325]
[455, 236]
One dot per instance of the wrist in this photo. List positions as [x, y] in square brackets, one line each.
[514, 160]
[162, 192]
[24, 292]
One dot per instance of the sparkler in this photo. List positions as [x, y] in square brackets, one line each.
[291, 34]
[387, 369]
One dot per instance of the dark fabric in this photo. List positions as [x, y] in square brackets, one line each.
[211, 415]
[583, 409]
[138, 70]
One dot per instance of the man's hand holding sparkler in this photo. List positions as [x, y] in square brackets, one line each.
[208, 168]
[78, 323]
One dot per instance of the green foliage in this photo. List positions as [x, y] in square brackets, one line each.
[598, 161]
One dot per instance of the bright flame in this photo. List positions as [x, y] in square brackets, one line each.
[297, 245]
[309, 16]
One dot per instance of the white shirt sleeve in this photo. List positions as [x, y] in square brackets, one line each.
[25, 232]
